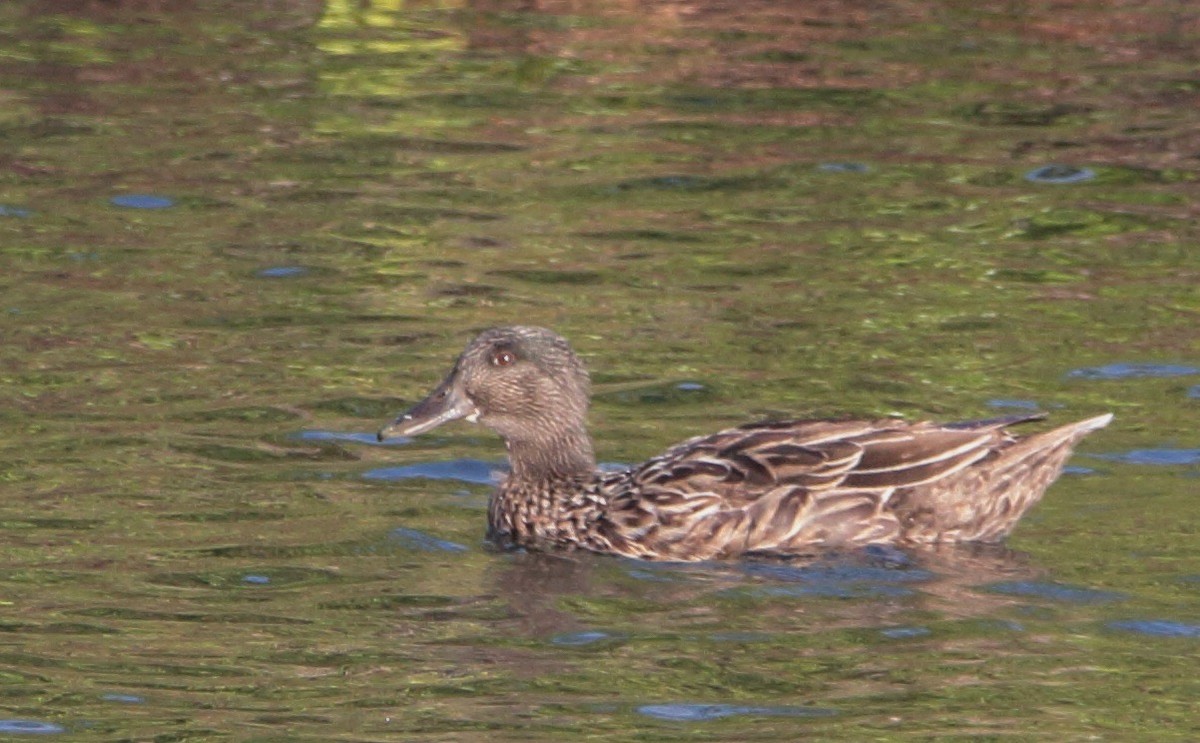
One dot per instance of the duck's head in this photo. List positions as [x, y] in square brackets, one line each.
[524, 383]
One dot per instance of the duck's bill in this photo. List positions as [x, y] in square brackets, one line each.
[445, 404]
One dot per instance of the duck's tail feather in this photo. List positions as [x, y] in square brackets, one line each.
[986, 501]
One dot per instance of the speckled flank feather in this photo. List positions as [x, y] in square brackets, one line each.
[769, 488]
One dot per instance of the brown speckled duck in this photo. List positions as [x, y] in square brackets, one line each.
[775, 488]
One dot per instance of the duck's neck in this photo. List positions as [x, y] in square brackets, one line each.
[551, 455]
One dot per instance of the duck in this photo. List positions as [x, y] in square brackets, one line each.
[779, 488]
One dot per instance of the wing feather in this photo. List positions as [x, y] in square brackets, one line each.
[787, 486]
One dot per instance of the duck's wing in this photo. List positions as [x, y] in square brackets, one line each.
[787, 486]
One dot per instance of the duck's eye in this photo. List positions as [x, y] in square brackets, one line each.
[502, 357]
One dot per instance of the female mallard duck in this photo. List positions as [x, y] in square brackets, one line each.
[780, 488]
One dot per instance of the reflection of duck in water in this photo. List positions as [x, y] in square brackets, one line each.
[780, 488]
[864, 588]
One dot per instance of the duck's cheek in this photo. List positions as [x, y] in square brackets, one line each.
[489, 403]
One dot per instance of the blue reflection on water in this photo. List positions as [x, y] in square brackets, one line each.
[415, 539]
[1157, 627]
[35, 727]
[905, 633]
[1017, 404]
[356, 436]
[685, 712]
[1133, 371]
[1166, 457]
[1060, 174]
[281, 272]
[467, 470]
[7, 210]
[840, 167]
[580, 639]
[1055, 591]
[142, 201]
[885, 576]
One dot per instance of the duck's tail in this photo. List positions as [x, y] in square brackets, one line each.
[985, 501]
[1061, 439]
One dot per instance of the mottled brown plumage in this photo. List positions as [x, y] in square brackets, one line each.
[781, 488]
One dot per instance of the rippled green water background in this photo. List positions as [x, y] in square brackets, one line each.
[235, 237]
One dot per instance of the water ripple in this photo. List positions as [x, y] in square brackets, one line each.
[1167, 457]
[142, 201]
[905, 633]
[1157, 627]
[28, 727]
[657, 394]
[7, 210]
[1060, 174]
[847, 573]
[843, 167]
[281, 272]
[884, 574]
[357, 437]
[1015, 404]
[1133, 371]
[741, 637]
[834, 590]
[581, 639]
[418, 540]
[686, 712]
[1055, 591]
[123, 698]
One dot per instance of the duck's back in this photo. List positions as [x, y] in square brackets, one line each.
[793, 486]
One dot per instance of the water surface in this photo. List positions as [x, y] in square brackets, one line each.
[236, 238]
